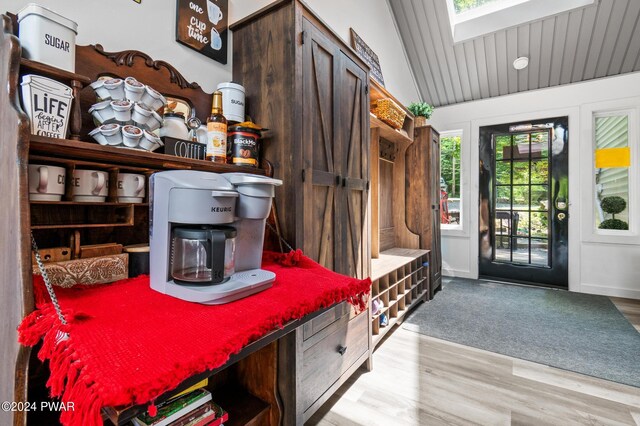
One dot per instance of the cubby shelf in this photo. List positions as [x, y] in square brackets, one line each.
[399, 280]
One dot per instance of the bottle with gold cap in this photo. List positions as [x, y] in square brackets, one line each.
[217, 132]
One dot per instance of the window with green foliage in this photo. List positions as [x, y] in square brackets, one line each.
[612, 183]
[464, 5]
[450, 184]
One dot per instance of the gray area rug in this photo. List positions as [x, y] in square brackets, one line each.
[572, 331]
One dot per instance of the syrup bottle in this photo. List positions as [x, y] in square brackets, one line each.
[217, 132]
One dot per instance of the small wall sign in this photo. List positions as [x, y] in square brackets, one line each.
[202, 26]
[368, 56]
[184, 149]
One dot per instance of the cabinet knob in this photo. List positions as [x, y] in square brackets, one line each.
[342, 350]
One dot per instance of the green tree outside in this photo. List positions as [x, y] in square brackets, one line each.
[450, 164]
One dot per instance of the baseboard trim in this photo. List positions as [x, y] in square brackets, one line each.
[610, 291]
[457, 273]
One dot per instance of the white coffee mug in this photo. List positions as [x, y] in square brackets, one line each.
[216, 40]
[131, 188]
[46, 183]
[90, 185]
[214, 12]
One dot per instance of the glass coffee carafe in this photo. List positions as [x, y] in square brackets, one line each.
[202, 255]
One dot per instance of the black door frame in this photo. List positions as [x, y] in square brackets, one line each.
[555, 275]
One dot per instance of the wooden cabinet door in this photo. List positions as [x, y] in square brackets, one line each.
[353, 137]
[321, 223]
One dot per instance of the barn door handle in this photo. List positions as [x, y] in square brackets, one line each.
[342, 350]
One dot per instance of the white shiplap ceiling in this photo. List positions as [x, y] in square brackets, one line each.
[590, 42]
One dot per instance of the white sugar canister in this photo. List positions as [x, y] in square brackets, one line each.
[47, 37]
[232, 101]
[48, 104]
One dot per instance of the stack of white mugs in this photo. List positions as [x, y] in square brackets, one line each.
[48, 183]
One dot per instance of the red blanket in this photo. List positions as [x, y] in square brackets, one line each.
[128, 344]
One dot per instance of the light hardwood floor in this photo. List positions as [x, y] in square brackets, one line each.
[420, 380]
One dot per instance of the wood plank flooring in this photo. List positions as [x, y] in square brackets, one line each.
[420, 380]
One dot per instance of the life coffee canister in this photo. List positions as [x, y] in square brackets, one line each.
[47, 37]
[48, 104]
[243, 146]
[232, 101]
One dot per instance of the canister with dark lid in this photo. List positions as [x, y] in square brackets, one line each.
[244, 147]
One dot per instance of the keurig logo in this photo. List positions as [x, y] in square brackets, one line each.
[221, 209]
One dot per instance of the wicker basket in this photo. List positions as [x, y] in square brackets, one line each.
[389, 112]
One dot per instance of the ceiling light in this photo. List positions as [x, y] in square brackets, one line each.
[521, 63]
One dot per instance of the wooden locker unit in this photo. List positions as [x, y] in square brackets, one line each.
[423, 216]
[307, 86]
[311, 90]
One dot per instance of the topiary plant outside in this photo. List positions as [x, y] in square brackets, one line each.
[613, 205]
[421, 109]
[614, 224]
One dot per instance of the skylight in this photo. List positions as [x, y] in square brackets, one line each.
[461, 6]
[475, 18]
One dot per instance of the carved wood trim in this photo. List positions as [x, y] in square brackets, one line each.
[127, 57]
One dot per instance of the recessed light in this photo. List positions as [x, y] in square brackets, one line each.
[521, 63]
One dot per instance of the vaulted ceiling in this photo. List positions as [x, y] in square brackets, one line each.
[590, 42]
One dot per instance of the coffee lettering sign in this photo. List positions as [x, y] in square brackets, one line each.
[202, 26]
[48, 104]
[368, 56]
[184, 149]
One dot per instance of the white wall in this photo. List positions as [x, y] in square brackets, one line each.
[595, 266]
[150, 28]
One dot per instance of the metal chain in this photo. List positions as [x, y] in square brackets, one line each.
[281, 239]
[47, 283]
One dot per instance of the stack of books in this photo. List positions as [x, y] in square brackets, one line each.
[192, 407]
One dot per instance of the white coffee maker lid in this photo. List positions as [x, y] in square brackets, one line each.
[253, 185]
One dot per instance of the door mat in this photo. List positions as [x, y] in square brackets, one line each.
[578, 332]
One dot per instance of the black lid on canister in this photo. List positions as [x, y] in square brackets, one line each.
[257, 132]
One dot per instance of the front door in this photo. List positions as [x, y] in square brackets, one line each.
[524, 202]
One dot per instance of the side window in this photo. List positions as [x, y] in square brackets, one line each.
[450, 182]
[612, 161]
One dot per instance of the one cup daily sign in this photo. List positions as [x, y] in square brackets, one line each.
[48, 104]
[202, 25]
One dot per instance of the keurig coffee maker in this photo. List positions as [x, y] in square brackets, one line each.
[206, 234]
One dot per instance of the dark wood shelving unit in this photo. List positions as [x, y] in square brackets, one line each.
[52, 72]
[77, 215]
[126, 157]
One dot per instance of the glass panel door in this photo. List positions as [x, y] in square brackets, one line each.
[523, 202]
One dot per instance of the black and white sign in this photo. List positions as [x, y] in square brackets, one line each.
[202, 25]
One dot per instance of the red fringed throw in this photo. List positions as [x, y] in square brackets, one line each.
[128, 344]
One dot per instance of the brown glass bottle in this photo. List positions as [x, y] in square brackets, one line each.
[217, 132]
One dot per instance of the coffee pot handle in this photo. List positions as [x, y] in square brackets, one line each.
[215, 253]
